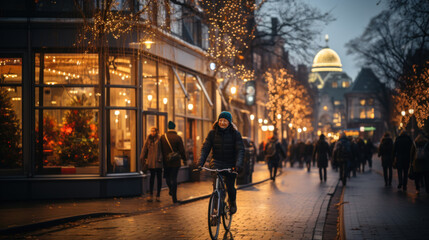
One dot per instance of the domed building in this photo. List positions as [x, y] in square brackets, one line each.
[331, 82]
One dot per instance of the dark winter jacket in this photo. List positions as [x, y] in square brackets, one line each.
[420, 164]
[226, 145]
[343, 151]
[402, 151]
[177, 145]
[151, 152]
[385, 151]
[322, 153]
[280, 151]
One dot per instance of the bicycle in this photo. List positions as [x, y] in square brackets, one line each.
[217, 201]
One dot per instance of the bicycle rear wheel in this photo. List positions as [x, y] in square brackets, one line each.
[213, 215]
[226, 216]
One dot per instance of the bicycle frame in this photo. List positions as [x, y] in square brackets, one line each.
[217, 207]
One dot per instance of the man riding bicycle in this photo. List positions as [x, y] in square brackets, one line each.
[227, 147]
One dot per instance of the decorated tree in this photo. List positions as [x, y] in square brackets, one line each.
[10, 133]
[289, 98]
[78, 139]
[414, 94]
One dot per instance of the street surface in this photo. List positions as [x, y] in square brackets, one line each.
[285, 209]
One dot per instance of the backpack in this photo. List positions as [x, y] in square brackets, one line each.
[344, 151]
[270, 149]
[421, 152]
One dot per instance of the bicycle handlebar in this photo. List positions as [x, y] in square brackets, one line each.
[230, 170]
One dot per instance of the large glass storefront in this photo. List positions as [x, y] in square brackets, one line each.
[68, 105]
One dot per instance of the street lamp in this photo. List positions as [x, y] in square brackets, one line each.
[403, 113]
[260, 120]
[279, 116]
[290, 125]
[233, 90]
[252, 117]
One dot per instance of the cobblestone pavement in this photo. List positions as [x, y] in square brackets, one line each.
[288, 208]
[373, 211]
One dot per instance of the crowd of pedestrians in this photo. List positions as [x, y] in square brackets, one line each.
[350, 156]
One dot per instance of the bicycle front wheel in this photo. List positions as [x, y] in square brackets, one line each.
[213, 215]
[226, 216]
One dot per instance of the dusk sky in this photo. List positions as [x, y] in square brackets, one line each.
[352, 16]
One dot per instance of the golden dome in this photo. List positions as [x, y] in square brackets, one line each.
[327, 60]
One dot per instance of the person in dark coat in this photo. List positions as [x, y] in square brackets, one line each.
[402, 156]
[308, 153]
[322, 153]
[385, 151]
[171, 168]
[420, 162]
[369, 146]
[273, 157]
[227, 147]
[343, 155]
[151, 155]
[361, 154]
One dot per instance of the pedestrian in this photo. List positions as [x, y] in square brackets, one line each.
[361, 154]
[355, 158]
[227, 147]
[273, 152]
[152, 157]
[322, 154]
[261, 148]
[172, 151]
[331, 150]
[420, 162]
[301, 151]
[385, 151]
[292, 153]
[342, 156]
[308, 153]
[402, 155]
[369, 151]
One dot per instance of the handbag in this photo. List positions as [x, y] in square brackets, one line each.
[173, 156]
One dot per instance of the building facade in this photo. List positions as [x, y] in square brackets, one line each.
[331, 83]
[82, 115]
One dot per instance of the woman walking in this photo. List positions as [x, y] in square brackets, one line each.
[151, 155]
[385, 151]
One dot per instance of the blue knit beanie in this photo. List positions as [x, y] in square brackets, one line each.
[171, 125]
[226, 115]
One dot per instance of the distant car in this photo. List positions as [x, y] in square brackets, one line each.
[245, 176]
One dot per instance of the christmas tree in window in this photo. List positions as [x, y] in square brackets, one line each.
[78, 139]
[10, 133]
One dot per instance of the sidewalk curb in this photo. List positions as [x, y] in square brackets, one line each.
[321, 218]
[341, 225]
[55, 222]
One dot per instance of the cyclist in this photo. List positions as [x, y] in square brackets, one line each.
[227, 147]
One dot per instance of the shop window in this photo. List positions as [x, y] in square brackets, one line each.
[370, 102]
[370, 113]
[362, 102]
[11, 161]
[180, 127]
[334, 84]
[55, 6]
[121, 71]
[207, 108]
[165, 94]
[122, 97]
[69, 69]
[150, 96]
[179, 95]
[362, 114]
[337, 103]
[195, 93]
[67, 141]
[122, 141]
[67, 100]
[345, 84]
